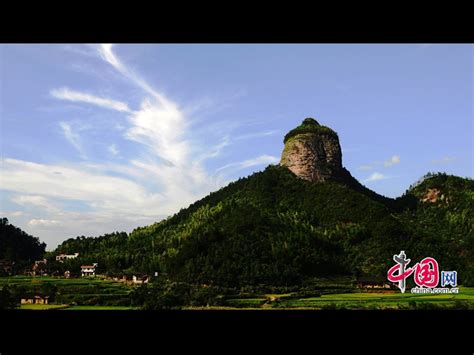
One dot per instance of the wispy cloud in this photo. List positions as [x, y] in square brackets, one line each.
[366, 167]
[12, 213]
[113, 149]
[159, 126]
[262, 159]
[72, 137]
[216, 150]
[165, 174]
[34, 200]
[395, 159]
[444, 161]
[107, 54]
[255, 135]
[76, 96]
[43, 222]
[375, 177]
[72, 183]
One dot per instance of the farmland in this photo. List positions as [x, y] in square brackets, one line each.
[94, 292]
[361, 300]
[100, 294]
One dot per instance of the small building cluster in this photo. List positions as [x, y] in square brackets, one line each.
[371, 282]
[62, 257]
[39, 268]
[142, 279]
[88, 270]
[35, 300]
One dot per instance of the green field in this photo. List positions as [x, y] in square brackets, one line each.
[98, 294]
[42, 307]
[98, 308]
[363, 300]
[80, 292]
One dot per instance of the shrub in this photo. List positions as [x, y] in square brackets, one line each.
[309, 125]
[459, 304]
[7, 299]
[330, 306]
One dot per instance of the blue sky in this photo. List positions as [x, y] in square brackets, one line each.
[99, 138]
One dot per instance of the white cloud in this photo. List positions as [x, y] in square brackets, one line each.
[72, 137]
[12, 214]
[255, 135]
[395, 159]
[392, 161]
[73, 183]
[76, 96]
[107, 54]
[43, 222]
[366, 167]
[375, 177]
[162, 129]
[113, 149]
[214, 151]
[443, 161]
[72, 224]
[34, 200]
[137, 192]
[263, 159]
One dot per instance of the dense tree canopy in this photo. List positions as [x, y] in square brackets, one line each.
[18, 246]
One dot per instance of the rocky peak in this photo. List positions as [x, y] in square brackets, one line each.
[312, 152]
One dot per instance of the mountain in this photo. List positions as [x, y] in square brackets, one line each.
[303, 219]
[438, 212]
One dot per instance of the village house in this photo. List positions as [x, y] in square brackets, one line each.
[39, 268]
[41, 299]
[88, 270]
[35, 300]
[143, 279]
[62, 257]
[372, 282]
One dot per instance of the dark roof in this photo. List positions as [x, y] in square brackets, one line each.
[371, 279]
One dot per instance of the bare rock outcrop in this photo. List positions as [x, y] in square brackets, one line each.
[312, 152]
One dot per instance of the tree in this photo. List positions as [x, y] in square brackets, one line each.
[18, 246]
[7, 299]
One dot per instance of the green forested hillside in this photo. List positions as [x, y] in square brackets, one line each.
[444, 226]
[273, 228]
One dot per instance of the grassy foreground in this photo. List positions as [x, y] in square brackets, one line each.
[98, 294]
[84, 293]
[364, 300]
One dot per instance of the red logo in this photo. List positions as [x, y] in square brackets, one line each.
[426, 272]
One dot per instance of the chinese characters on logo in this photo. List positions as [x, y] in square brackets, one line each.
[449, 278]
[425, 274]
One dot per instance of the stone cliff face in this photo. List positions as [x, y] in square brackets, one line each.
[312, 152]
